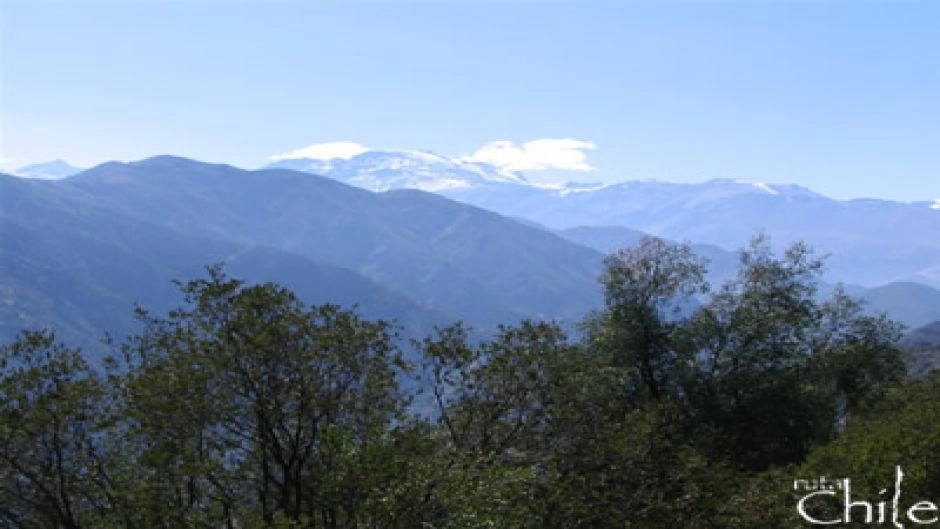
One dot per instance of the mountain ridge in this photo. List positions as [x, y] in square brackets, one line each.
[872, 241]
[428, 247]
[70, 264]
[440, 259]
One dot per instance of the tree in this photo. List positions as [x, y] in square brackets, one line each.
[247, 405]
[902, 429]
[647, 289]
[492, 403]
[52, 409]
[681, 406]
[776, 368]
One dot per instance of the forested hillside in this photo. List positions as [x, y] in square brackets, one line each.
[244, 407]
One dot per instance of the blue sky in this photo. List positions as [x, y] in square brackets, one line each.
[842, 97]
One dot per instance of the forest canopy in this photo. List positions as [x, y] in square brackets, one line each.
[678, 404]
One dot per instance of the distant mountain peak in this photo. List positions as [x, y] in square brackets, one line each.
[54, 170]
[936, 204]
[383, 170]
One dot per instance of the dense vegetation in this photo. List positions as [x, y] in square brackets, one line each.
[679, 405]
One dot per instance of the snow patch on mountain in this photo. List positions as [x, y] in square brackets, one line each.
[757, 185]
[396, 169]
[570, 188]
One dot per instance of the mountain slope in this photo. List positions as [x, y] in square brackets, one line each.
[870, 242]
[71, 264]
[923, 348]
[451, 257]
[927, 336]
[913, 304]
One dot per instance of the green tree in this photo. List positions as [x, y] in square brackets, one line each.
[776, 369]
[492, 402]
[901, 428]
[681, 406]
[52, 409]
[247, 405]
[648, 290]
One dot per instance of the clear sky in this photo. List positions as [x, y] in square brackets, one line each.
[842, 97]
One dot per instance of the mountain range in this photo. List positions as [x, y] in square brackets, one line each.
[77, 253]
[71, 264]
[119, 232]
[870, 242]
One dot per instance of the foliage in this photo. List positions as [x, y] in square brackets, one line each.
[902, 428]
[52, 407]
[681, 406]
[645, 289]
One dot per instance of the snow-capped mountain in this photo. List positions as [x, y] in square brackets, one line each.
[510, 193]
[386, 170]
[54, 170]
[870, 241]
